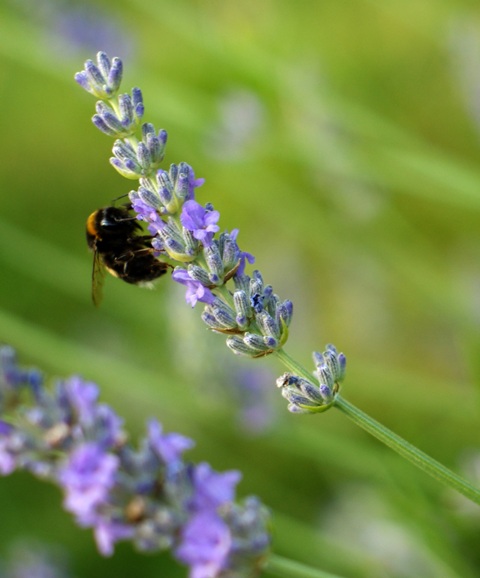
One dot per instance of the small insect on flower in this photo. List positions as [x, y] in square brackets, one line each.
[113, 234]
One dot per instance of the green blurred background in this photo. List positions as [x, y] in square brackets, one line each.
[342, 137]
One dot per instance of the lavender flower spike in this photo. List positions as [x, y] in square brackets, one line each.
[146, 494]
[186, 231]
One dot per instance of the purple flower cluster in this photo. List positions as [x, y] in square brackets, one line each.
[148, 494]
[185, 231]
[308, 397]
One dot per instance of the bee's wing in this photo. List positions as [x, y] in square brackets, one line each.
[98, 279]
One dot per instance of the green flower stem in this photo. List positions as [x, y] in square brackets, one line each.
[278, 566]
[392, 440]
[292, 365]
[408, 451]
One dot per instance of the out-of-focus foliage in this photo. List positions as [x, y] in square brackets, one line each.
[343, 139]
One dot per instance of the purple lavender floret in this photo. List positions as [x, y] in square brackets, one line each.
[243, 256]
[212, 489]
[205, 545]
[195, 290]
[169, 447]
[148, 495]
[146, 212]
[12, 375]
[186, 181]
[87, 478]
[7, 456]
[200, 221]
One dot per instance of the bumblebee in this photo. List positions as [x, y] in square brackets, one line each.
[118, 246]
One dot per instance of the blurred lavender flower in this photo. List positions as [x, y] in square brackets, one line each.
[85, 27]
[87, 478]
[7, 460]
[241, 116]
[211, 488]
[205, 544]
[168, 447]
[251, 388]
[74, 27]
[464, 46]
[148, 495]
